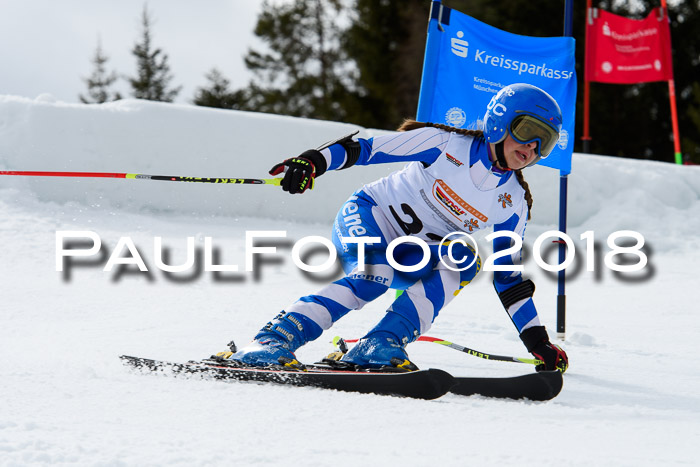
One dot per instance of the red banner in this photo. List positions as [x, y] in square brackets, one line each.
[625, 51]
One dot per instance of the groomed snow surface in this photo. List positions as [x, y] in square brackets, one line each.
[630, 397]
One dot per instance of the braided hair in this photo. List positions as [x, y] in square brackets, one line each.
[410, 124]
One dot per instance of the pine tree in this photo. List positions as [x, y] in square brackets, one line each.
[100, 81]
[690, 144]
[217, 94]
[685, 17]
[304, 73]
[386, 41]
[153, 72]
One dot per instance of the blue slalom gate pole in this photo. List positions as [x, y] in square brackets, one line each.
[563, 198]
[432, 51]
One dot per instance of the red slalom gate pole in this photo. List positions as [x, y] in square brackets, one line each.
[29, 173]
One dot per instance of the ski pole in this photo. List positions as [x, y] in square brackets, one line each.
[169, 178]
[476, 353]
[338, 341]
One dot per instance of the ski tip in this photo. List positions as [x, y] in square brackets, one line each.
[541, 386]
[555, 380]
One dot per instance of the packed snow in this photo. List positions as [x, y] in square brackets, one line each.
[630, 396]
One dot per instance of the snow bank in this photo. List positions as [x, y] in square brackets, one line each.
[133, 136]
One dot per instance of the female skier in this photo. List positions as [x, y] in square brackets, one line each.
[457, 181]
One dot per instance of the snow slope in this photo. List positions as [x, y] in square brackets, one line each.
[630, 396]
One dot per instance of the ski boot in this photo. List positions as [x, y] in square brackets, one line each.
[384, 346]
[276, 343]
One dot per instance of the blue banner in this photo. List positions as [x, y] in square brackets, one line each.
[467, 62]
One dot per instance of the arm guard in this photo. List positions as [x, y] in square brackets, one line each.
[352, 149]
[525, 289]
[317, 160]
[517, 300]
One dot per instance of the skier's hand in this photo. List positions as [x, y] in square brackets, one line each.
[552, 355]
[300, 172]
[537, 343]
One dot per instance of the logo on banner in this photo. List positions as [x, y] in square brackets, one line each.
[563, 141]
[459, 46]
[628, 36]
[455, 117]
[607, 67]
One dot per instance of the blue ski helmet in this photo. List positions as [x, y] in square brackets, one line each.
[528, 114]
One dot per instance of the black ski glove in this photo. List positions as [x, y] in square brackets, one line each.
[300, 172]
[537, 343]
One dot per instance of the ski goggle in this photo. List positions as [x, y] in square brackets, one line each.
[526, 128]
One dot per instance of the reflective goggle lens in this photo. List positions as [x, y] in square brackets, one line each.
[526, 128]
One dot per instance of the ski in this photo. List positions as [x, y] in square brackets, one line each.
[421, 384]
[541, 386]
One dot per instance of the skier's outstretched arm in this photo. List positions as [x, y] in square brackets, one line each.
[423, 144]
[516, 295]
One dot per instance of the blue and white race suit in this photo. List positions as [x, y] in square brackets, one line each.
[450, 185]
